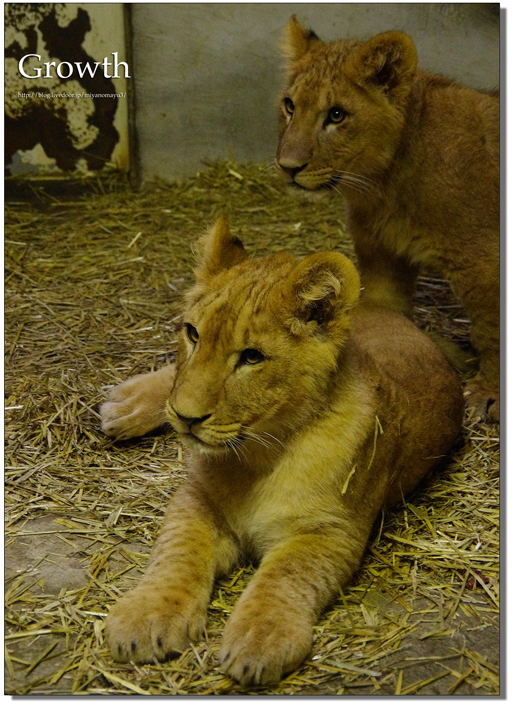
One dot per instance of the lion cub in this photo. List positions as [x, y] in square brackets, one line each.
[303, 418]
[416, 158]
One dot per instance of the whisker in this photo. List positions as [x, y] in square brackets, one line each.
[270, 168]
[352, 185]
[258, 439]
[353, 174]
[377, 184]
[353, 179]
[235, 446]
[274, 439]
[261, 439]
[358, 177]
[355, 183]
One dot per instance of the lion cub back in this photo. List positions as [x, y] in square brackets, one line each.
[419, 401]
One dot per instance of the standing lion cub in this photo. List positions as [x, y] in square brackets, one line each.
[416, 158]
[303, 417]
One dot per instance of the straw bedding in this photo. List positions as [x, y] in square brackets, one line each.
[92, 295]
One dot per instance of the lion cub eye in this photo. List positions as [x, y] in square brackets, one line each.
[251, 356]
[289, 106]
[336, 115]
[192, 333]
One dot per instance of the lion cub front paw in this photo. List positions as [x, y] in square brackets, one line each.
[137, 406]
[147, 623]
[258, 648]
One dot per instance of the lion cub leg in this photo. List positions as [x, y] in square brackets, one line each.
[270, 631]
[137, 406]
[388, 281]
[168, 607]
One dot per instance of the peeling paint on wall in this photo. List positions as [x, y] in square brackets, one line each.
[57, 124]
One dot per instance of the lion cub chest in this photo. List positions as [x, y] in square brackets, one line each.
[303, 490]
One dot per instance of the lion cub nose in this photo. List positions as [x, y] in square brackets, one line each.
[192, 421]
[291, 168]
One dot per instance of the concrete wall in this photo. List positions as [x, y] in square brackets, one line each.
[207, 75]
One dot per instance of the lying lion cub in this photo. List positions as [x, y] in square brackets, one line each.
[416, 158]
[303, 419]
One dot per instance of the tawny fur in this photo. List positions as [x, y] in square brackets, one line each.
[416, 157]
[303, 417]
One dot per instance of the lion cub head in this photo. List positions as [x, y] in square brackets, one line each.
[342, 110]
[260, 343]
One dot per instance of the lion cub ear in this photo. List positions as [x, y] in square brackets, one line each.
[217, 250]
[296, 40]
[325, 288]
[388, 60]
